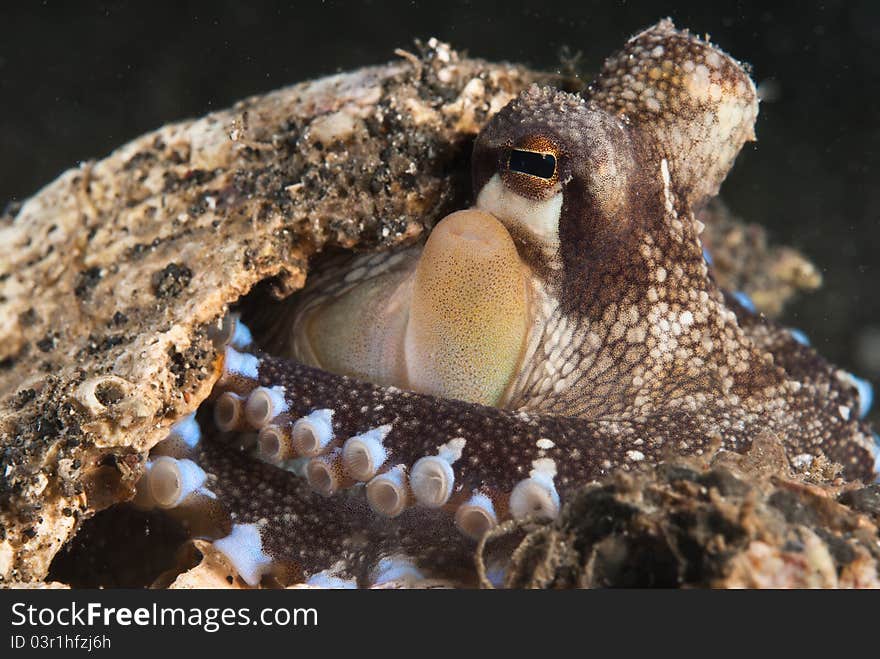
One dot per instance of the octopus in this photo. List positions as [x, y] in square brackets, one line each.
[565, 326]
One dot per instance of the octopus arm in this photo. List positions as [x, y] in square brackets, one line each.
[304, 536]
[388, 473]
[376, 480]
[493, 450]
[488, 448]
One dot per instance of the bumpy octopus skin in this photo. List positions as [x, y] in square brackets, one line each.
[631, 354]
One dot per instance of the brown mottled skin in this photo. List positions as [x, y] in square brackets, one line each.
[641, 355]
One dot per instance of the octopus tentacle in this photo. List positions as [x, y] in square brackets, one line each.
[417, 425]
[309, 531]
[304, 534]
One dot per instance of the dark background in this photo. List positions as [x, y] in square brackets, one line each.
[77, 80]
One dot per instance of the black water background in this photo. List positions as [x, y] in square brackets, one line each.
[79, 79]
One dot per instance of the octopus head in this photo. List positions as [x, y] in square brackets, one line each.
[564, 193]
[561, 175]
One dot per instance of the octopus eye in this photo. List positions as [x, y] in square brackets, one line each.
[533, 163]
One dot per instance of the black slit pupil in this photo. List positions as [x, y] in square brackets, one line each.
[542, 165]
